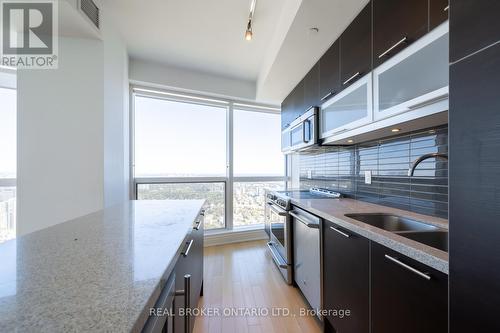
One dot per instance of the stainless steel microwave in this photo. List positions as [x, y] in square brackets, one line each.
[302, 132]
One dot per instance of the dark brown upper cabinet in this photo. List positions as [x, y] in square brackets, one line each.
[474, 26]
[438, 12]
[311, 88]
[355, 48]
[298, 100]
[396, 24]
[286, 111]
[329, 72]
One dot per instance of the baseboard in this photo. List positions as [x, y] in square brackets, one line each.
[234, 237]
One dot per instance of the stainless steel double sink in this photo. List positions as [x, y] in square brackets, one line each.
[415, 230]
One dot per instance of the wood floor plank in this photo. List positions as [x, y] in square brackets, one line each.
[243, 276]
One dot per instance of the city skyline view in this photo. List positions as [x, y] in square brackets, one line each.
[176, 139]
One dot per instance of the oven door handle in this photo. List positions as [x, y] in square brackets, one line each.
[276, 257]
[278, 211]
[308, 223]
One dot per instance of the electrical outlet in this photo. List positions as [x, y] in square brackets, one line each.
[309, 174]
[368, 177]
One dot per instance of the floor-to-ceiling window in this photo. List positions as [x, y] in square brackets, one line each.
[8, 155]
[189, 147]
[258, 163]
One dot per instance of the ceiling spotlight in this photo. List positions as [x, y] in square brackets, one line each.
[350, 141]
[313, 30]
[395, 130]
[248, 32]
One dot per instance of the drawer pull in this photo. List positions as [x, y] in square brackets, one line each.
[198, 225]
[393, 47]
[340, 232]
[351, 78]
[429, 102]
[408, 267]
[186, 253]
[327, 95]
[187, 301]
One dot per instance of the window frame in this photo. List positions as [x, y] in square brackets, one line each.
[229, 179]
[8, 81]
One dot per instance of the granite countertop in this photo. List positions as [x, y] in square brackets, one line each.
[334, 210]
[97, 273]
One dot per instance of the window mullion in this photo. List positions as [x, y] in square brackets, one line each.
[230, 168]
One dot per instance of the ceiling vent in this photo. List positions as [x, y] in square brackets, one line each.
[91, 11]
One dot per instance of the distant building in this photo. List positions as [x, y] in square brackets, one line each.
[7, 214]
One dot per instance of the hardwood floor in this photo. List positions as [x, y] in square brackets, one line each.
[243, 276]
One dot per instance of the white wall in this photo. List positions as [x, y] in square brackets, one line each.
[60, 137]
[141, 72]
[73, 127]
[116, 120]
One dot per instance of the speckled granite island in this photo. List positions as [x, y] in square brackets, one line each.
[97, 273]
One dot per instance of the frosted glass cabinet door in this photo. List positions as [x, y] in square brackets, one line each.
[285, 140]
[349, 109]
[416, 77]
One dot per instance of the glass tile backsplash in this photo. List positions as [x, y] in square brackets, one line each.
[343, 169]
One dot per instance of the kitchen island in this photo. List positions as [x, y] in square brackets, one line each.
[98, 273]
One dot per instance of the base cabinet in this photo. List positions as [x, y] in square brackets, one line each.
[407, 296]
[346, 279]
[190, 262]
[178, 284]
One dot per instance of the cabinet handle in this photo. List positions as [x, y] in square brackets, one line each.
[411, 269]
[428, 102]
[340, 232]
[342, 130]
[187, 301]
[198, 224]
[393, 47]
[351, 78]
[186, 253]
[327, 95]
[446, 8]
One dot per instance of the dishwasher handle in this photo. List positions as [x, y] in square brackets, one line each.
[308, 223]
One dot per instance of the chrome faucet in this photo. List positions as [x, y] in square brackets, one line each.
[424, 157]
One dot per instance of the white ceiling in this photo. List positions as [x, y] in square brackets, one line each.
[208, 36]
[205, 35]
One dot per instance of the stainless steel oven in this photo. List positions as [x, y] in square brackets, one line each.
[278, 227]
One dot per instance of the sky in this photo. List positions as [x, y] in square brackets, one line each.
[8, 132]
[183, 139]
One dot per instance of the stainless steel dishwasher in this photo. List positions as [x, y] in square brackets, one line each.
[306, 250]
